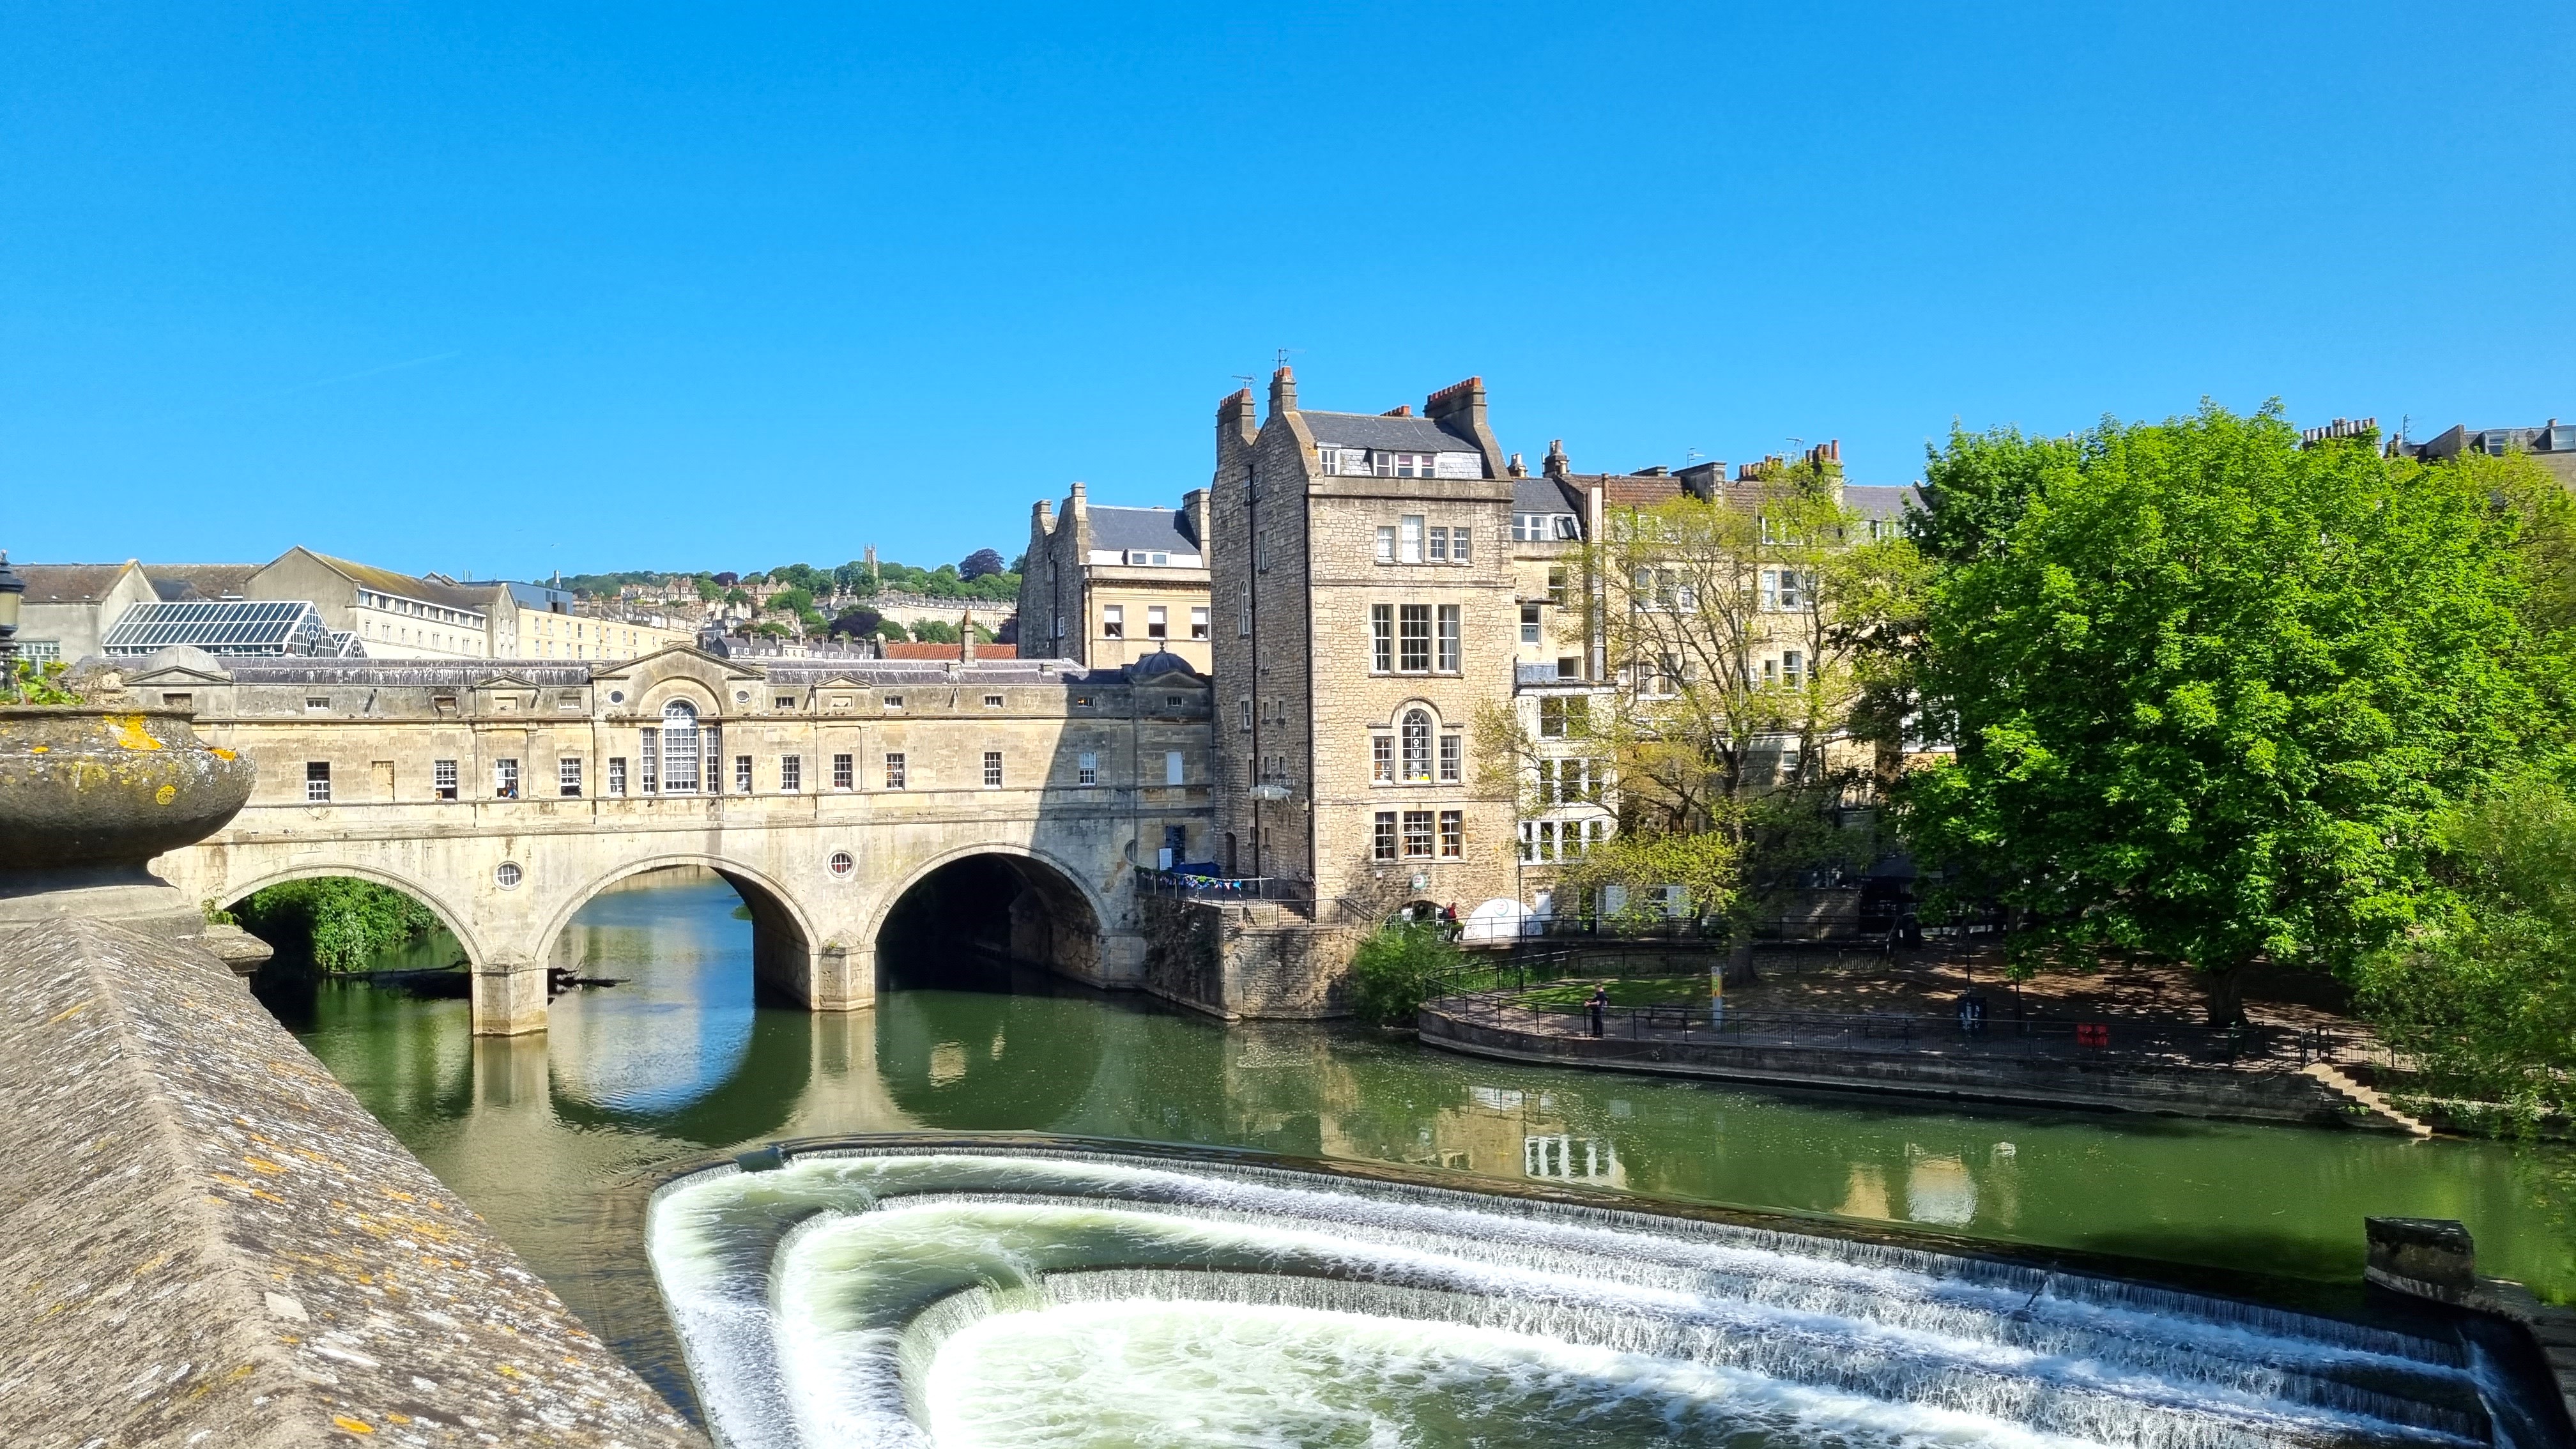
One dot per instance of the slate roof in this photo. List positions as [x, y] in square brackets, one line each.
[1385, 434]
[386, 581]
[1879, 502]
[188, 583]
[540, 597]
[1146, 528]
[1543, 495]
[67, 583]
[463, 673]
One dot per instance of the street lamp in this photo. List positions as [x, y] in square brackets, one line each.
[11, 586]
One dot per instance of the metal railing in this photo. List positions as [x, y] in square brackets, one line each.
[1496, 996]
[1176, 885]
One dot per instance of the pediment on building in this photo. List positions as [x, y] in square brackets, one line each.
[176, 674]
[681, 661]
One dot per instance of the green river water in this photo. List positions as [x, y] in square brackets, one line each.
[556, 1139]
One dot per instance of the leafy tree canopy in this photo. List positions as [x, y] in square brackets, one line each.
[2210, 689]
[979, 564]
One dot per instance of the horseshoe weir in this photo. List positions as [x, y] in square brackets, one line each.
[913, 1294]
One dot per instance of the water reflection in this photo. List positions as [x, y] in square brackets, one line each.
[682, 1060]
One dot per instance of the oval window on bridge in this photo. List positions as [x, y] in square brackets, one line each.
[507, 875]
[841, 865]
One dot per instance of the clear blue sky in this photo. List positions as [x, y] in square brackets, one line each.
[618, 287]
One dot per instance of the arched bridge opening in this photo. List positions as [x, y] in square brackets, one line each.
[985, 920]
[681, 913]
[330, 922]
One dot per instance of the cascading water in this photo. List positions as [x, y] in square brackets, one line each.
[986, 1296]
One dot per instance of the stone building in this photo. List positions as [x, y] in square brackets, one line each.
[71, 609]
[1107, 585]
[68, 608]
[1359, 562]
[394, 615]
[2552, 445]
[538, 621]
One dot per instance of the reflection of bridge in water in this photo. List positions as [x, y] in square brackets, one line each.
[843, 801]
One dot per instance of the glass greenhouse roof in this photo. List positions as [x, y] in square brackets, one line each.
[229, 627]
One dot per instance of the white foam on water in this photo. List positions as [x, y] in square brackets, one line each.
[796, 1294]
[1150, 1374]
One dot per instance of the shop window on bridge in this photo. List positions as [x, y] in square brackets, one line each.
[442, 779]
[1086, 767]
[317, 781]
[742, 774]
[894, 770]
[992, 769]
[505, 779]
[568, 776]
[844, 772]
[791, 773]
[617, 774]
[650, 757]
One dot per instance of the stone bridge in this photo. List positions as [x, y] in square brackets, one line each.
[1009, 801]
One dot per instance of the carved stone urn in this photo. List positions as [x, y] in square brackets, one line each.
[91, 792]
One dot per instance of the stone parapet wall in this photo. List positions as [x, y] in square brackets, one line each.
[2254, 1096]
[208, 1241]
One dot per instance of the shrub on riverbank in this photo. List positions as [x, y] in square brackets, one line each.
[1393, 970]
[346, 922]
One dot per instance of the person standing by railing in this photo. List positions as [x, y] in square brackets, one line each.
[1600, 1004]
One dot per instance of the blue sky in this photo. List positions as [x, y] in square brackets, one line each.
[533, 287]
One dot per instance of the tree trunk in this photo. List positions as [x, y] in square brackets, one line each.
[2226, 996]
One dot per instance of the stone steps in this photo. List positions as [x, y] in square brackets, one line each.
[2370, 1097]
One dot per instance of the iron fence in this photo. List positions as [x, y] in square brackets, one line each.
[1178, 885]
[1499, 996]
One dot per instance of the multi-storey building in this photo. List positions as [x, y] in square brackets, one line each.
[1106, 586]
[1359, 565]
[393, 615]
[537, 621]
[2552, 444]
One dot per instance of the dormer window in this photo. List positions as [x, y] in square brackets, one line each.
[1405, 465]
[1143, 558]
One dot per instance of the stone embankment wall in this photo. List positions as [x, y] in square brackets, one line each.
[2256, 1096]
[206, 1241]
[1239, 959]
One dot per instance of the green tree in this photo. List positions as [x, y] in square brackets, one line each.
[791, 600]
[346, 923]
[1975, 489]
[892, 632]
[935, 631]
[707, 590]
[2211, 689]
[2483, 996]
[1393, 971]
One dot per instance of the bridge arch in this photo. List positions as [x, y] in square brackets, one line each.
[784, 936]
[455, 921]
[1056, 919]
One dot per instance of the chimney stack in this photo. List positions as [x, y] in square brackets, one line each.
[1234, 418]
[1556, 464]
[966, 637]
[1460, 408]
[1283, 392]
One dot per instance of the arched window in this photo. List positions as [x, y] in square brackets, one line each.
[679, 748]
[1417, 747]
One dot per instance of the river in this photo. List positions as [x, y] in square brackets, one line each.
[554, 1139]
